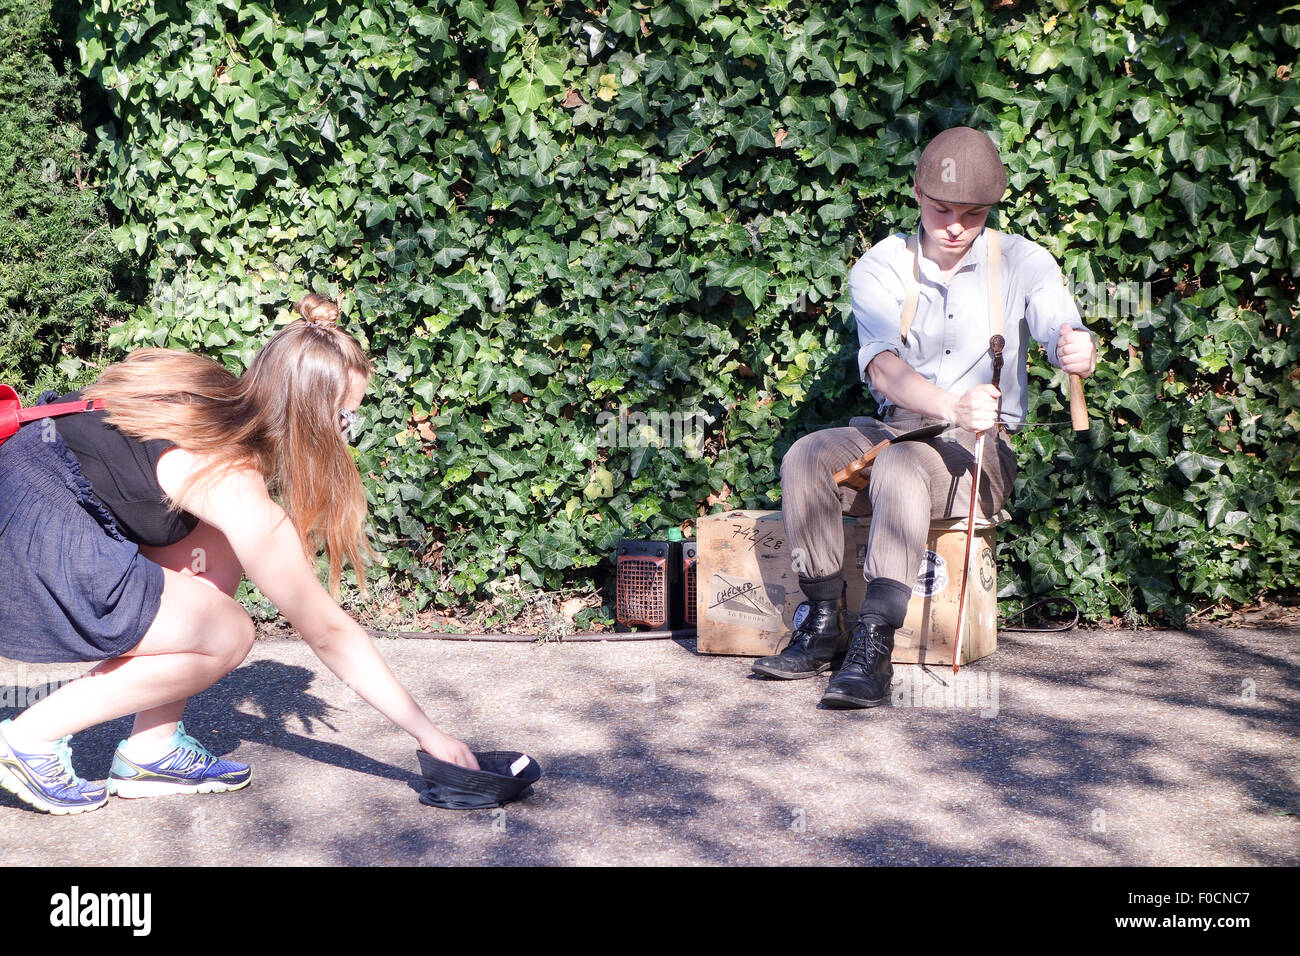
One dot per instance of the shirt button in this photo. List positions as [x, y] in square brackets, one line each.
[950, 315]
[947, 351]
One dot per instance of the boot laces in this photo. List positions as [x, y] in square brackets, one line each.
[802, 633]
[868, 642]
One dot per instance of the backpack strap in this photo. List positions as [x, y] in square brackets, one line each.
[13, 416]
[37, 412]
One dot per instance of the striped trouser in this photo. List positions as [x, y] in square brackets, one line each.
[912, 483]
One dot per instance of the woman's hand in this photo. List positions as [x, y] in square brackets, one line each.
[448, 749]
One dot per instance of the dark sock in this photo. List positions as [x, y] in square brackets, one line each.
[886, 602]
[829, 588]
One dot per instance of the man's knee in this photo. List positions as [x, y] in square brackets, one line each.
[900, 465]
[817, 453]
[798, 458]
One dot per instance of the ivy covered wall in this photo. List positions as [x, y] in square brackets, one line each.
[539, 216]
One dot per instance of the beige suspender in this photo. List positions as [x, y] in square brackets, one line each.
[995, 285]
[995, 282]
[913, 289]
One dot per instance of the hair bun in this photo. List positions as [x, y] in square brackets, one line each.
[317, 309]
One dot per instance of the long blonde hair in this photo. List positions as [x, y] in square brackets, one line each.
[281, 416]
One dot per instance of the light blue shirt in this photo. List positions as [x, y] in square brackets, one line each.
[948, 342]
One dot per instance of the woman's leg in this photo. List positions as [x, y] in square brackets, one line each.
[198, 636]
[205, 555]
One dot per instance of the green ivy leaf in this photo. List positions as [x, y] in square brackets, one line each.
[1193, 194]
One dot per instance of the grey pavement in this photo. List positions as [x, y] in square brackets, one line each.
[1086, 747]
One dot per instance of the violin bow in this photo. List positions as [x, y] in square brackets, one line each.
[996, 344]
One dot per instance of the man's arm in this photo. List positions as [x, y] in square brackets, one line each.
[975, 410]
[1053, 316]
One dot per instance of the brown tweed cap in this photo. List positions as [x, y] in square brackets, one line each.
[961, 165]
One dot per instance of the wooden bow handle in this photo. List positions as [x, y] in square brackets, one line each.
[856, 475]
[1078, 409]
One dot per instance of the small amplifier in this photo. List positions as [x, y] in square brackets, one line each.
[648, 584]
[689, 600]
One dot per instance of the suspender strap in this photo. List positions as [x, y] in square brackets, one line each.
[37, 412]
[994, 283]
[913, 289]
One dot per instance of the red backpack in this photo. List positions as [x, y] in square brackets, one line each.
[13, 416]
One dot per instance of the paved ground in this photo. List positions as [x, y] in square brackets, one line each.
[1082, 748]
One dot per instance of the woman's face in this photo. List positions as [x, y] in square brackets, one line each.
[356, 391]
[352, 398]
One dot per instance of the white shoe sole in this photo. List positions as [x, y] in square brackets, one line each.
[11, 782]
[131, 789]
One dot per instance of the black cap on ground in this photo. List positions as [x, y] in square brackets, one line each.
[503, 775]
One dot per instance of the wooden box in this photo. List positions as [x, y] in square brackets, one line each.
[748, 594]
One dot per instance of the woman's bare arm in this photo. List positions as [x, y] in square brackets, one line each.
[271, 553]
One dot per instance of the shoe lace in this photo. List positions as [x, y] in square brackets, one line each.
[57, 766]
[191, 747]
[867, 643]
[801, 633]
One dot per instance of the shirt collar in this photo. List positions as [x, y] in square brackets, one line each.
[976, 255]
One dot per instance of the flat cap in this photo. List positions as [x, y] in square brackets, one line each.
[962, 165]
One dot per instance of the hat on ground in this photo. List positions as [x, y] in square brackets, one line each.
[962, 165]
[502, 776]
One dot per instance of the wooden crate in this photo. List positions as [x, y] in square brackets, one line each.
[747, 595]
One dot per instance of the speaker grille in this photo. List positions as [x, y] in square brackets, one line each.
[642, 591]
[689, 597]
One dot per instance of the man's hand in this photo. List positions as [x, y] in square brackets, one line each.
[977, 409]
[1076, 351]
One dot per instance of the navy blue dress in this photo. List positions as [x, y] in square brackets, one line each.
[73, 584]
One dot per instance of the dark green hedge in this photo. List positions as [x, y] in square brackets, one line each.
[61, 276]
[537, 214]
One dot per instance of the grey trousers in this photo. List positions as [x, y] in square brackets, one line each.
[912, 483]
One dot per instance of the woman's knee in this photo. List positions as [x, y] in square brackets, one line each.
[195, 618]
[237, 637]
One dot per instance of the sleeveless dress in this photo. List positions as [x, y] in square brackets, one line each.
[73, 584]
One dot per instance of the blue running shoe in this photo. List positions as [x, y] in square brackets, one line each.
[45, 780]
[187, 767]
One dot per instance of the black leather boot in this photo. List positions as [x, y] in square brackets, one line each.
[864, 678]
[817, 645]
